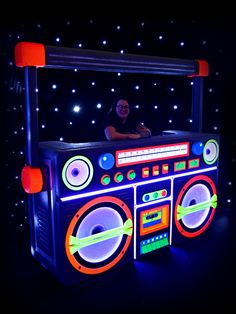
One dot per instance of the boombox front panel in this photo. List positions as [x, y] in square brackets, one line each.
[138, 186]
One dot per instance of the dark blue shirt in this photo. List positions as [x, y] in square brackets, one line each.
[128, 127]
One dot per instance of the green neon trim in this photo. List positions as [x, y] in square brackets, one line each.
[217, 152]
[88, 180]
[76, 244]
[183, 211]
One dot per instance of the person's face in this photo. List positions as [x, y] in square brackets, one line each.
[122, 108]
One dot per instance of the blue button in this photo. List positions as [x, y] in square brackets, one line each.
[106, 161]
[197, 148]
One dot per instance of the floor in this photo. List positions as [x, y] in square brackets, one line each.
[197, 277]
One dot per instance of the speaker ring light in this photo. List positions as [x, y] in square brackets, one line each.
[75, 262]
[211, 152]
[77, 173]
[197, 181]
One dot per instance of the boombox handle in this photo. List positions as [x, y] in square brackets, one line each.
[34, 55]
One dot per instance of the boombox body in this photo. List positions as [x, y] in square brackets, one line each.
[105, 204]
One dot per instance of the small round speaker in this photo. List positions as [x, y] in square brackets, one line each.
[210, 152]
[77, 173]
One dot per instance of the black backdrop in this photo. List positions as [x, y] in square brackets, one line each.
[205, 269]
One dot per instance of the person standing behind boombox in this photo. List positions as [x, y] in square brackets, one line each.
[119, 123]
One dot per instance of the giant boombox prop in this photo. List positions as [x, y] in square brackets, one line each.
[95, 206]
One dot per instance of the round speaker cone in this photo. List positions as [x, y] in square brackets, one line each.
[196, 194]
[77, 173]
[99, 234]
[195, 205]
[210, 152]
[99, 220]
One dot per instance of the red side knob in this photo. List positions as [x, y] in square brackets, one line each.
[31, 179]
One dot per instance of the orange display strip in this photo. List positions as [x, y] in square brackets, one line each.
[152, 153]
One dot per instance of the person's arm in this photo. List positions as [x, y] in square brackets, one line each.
[112, 134]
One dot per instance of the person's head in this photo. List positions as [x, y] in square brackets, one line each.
[122, 108]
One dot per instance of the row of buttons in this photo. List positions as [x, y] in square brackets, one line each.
[118, 177]
[131, 174]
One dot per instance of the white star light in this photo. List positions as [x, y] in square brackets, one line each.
[76, 108]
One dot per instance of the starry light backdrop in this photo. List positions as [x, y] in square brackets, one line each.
[73, 104]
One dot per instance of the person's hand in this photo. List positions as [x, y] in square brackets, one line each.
[143, 131]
